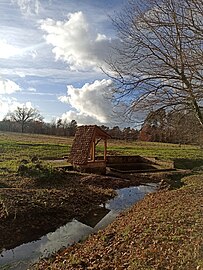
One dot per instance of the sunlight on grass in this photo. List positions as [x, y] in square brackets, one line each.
[15, 146]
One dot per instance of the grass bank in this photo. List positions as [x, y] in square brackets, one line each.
[163, 231]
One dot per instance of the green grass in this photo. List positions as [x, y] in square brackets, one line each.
[184, 156]
[15, 146]
[161, 150]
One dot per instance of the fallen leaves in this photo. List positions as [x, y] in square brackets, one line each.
[163, 231]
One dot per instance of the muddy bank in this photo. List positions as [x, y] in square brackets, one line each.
[31, 207]
[23, 256]
[163, 231]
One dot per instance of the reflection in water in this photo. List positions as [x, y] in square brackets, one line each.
[26, 254]
[126, 197]
[94, 216]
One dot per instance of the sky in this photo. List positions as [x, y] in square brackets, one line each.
[51, 54]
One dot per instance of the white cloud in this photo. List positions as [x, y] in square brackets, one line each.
[76, 42]
[10, 104]
[7, 105]
[7, 50]
[19, 73]
[28, 7]
[91, 104]
[27, 104]
[81, 119]
[56, 75]
[8, 87]
[31, 89]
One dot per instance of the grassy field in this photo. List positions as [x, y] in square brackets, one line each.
[15, 146]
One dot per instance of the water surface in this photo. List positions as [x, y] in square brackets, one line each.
[22, 256]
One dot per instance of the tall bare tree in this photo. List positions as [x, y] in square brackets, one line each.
[159, 63]
[24, 115]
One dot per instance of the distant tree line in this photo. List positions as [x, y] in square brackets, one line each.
[63, 128]
[128, 134]
[29, 120]
[171, 127]
[159, 126]
[40, 127]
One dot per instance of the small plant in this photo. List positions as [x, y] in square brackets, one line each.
[74, 261]
[37, 170]
[126, 232]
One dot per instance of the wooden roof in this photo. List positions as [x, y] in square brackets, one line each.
[82, 143]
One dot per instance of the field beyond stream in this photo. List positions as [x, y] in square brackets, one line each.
[163, 231]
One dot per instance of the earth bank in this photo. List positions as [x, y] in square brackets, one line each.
[163, 231]
[34, 204]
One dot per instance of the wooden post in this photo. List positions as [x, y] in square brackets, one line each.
[105, 149]
[93, 150]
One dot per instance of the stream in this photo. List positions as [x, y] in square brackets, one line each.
[26, 254]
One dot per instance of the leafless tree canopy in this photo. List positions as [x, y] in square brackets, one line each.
[24, 115]
[160, 61]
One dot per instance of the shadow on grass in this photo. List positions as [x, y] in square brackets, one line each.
[187, 164]
[175, 180]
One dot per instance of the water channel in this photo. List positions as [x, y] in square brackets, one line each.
[22, 256]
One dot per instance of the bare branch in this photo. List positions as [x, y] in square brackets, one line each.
[159, 61]
[25, 115]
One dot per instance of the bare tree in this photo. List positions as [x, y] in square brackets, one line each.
[24, 116]
[159, 61]
[72, 127]
[174, 127]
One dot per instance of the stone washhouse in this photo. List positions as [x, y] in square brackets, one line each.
[84, 159]
[83, 152]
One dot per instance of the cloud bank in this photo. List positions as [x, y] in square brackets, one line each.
[76, 42]
[7, 50]
[28, 7]
[9, 105]
[6, 105]
[90, 104]
[8, 87]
